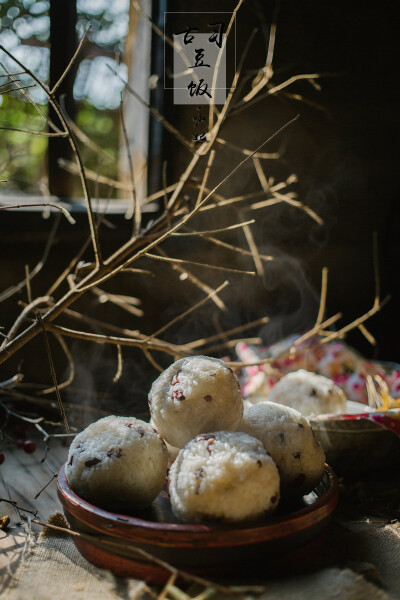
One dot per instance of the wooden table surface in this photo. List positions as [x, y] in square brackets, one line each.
[22, 476]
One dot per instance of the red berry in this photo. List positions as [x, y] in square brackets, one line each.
[2, 458]
[20, 443]
[29, 446]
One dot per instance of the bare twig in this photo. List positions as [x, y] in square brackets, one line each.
[253, 247]
[28, 285]
[118, 374]
[20, 319]
[135, 209]
[70, 360]
[199, 264]
[53, 373]
[322, 301]
[65, 212]
[159, 345]
[71, 62]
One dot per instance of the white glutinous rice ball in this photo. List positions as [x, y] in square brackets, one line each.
[289, 438]
[117, 462]
[195, 395]
[223, 476]
[309, 393]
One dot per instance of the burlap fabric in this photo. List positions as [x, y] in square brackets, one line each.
[54, 569]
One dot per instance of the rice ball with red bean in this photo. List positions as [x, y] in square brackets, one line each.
[195, 395]
[223, 476]
[309, 393]
[117, 462]
[289, 438]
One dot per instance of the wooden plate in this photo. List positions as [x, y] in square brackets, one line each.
[281, 543]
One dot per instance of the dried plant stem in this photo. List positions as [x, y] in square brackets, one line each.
[18, 322]
[246, 151]
[159, 345]
[322, 300]
[220, 230]
[103, 325]
[31, 100]
[188, 311]
[205, 176]
[126, 303]
[71, 62]
[40, 133]
[198, 264]
[329, 338]
[218, 62]
[267, 72]
[118, 374]
[70, 360]
[135, 209]
[164, 592]
[357, 322]
[28, 285]
[64, 211]
[217, 336]
[237, 249]
[367, 334]
[376, 269]
[253, 247]
[274, 90]
[193, 279]
[318, 327]
[92, 176]
[53, 374]
[261, 175]
[152, 361]
[62, 277]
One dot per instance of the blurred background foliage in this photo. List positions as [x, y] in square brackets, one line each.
[25, 31]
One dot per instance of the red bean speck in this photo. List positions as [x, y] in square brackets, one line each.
[29, 446]
[208, 398]
[175, 379]
[92, 462]
[2, 458]
[178, 394]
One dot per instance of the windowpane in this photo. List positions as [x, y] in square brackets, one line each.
[101, 71]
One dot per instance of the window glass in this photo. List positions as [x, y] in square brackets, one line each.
[101, 70]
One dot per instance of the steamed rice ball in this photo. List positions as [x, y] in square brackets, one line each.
[117, 462]
[309, 393]
[289, 438]
[195, 395]
[223, 476]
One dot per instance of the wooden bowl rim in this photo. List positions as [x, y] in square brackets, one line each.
[217, 534]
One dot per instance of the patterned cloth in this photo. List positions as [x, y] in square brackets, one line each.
[335, 360]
